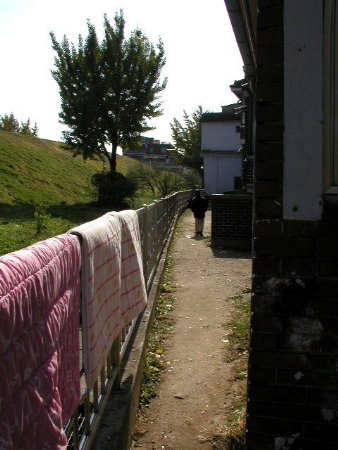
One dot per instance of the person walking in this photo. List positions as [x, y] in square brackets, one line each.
[198, 206]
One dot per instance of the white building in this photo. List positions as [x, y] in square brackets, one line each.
[221, 150]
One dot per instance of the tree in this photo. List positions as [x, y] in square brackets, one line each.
[187, 139]
[163, 182]
[108, 90]
[25, 128]
[8, 122]
[169, 182]
[144, 176]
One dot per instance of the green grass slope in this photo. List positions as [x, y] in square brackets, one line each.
[38, 170]
[35, 171]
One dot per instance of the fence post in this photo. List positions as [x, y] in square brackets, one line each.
[145, 243]
[116, 359]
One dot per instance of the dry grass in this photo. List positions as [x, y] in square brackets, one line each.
[231, 434]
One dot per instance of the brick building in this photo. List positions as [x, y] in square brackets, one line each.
[290, 60]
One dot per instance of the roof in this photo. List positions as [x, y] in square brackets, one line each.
[227, 114]
[236, 153]
[150, 148]
[243, 16]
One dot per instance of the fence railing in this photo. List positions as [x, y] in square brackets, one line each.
[156, 222]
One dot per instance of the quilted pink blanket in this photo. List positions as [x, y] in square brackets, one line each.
[39, 343]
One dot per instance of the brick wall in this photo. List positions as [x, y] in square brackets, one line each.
[293, 376]
[248, 170]
[231, 221]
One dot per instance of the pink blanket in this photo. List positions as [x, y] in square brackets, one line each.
[112, 284]
[39, 343]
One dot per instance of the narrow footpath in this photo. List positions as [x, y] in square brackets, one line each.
[196, 392]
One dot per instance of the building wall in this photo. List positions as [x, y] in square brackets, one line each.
[220, 136]
[231, 220]
[303, 133]
[220, 173]
[293, 377]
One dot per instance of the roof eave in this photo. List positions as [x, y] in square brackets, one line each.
[241, 21]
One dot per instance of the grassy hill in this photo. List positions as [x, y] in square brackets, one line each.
[35, 171]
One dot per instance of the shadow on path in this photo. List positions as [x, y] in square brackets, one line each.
[221, 252]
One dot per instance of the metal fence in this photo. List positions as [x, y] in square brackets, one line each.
[156, 222]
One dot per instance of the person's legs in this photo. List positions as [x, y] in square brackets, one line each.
[199, 226]
[196, 225]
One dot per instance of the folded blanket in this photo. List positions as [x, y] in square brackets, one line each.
[133, 291]
[113, 288]
[39, 343]
[101, 290]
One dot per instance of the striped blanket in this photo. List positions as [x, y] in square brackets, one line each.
[112, 283]
[133, 291]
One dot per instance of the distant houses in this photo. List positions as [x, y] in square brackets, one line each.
[159, 155]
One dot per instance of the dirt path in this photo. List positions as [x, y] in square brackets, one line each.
[195, 388]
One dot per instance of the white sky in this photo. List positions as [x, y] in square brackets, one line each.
[201, 53]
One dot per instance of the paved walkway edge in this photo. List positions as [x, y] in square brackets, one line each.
[118, 421]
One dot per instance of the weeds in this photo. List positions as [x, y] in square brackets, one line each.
[240, 325]
[41, 217]
[232, 435]
[155, 355]
[155, 360]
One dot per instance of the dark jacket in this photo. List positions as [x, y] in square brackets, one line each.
[198, 206]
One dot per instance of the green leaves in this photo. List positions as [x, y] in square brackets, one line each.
[187, 139]
[9, 123]
[160, 182]
[108, 89]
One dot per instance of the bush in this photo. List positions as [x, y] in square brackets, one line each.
[192, 178]
[114, 189]
[144, 176]
[169, 182]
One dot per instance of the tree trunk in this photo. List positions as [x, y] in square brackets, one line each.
[112, 159]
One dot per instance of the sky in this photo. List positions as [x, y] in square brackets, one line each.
[202, 58]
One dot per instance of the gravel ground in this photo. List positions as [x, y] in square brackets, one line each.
[197, 388]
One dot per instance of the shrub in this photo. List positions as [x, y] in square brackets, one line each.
[192, 178]
[144, 176]
[113, 189]
[169, 182]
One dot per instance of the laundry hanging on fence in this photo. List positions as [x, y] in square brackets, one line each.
[133, 290]
[101, 288]
[39, 343]
[110, 263]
